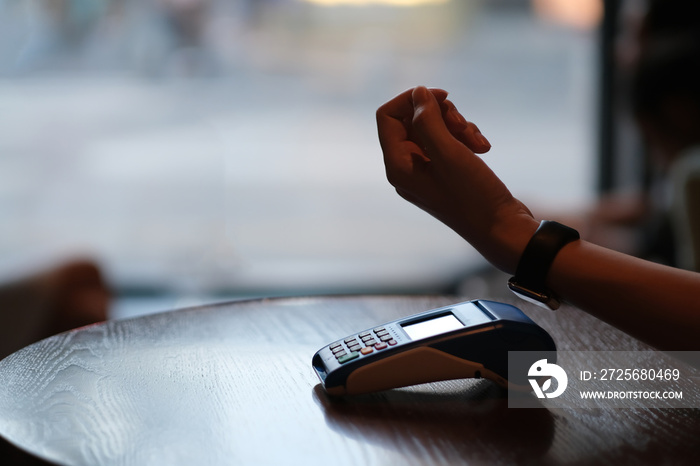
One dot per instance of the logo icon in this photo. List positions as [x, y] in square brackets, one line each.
[541, 369]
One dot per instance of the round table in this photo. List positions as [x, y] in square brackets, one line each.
[232, 383]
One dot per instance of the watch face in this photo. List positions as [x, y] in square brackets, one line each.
[542, 299]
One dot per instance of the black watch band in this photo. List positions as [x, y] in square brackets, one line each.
[531, 273]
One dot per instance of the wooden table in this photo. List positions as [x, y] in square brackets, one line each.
[232, 384]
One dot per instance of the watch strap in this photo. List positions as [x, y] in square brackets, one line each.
[536, 260]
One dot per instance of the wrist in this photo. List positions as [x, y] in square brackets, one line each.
[530, 279]
[512, 238]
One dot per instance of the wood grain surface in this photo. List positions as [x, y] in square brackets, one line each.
[232, 384]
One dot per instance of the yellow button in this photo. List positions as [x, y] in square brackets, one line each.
[366, 350]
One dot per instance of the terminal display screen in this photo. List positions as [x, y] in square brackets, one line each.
[431, 327]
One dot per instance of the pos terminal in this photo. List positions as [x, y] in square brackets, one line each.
[465, 340]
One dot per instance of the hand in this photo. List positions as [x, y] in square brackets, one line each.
[51, 301]
[429, 154]
[76, 294]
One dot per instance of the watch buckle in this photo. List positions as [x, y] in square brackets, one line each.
[540, 298]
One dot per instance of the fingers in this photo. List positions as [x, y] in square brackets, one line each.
[401, 106]
[394, 119]
[397, 147]
[401, 153]
[419, 124]
[429, 126]
[390, 120]
[465, 131]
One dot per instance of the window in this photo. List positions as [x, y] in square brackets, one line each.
[201, 146]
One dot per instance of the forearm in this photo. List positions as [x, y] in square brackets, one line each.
[657, 304]
[430, 157]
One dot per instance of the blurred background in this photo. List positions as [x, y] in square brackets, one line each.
[202, 150]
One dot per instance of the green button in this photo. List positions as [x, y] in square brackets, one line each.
[348, 357]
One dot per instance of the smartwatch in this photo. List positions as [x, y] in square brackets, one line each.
[531, 273]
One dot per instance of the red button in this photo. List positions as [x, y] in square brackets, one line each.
[380, 345]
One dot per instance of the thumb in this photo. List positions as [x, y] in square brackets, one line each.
[428, 124]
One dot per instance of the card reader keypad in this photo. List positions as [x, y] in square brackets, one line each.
[363, 344]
